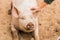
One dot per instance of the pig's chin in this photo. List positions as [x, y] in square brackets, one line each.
[28, 31]
[22, 28]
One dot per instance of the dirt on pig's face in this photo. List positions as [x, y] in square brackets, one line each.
[27, 13]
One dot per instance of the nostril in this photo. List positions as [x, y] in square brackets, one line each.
[30, 26]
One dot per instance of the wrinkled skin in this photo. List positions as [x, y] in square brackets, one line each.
[25, 17]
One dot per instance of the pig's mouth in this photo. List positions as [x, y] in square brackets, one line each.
[25, 29]
[29, 29]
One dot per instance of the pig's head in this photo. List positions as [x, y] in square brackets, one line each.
[27, 13]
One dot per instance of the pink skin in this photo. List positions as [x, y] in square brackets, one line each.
[27, 12]
[25, 16]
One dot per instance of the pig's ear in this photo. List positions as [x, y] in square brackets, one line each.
[15, 12]
[35, 11]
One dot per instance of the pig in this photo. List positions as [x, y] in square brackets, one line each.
[25, 17]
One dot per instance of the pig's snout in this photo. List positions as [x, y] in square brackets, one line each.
[30, 26]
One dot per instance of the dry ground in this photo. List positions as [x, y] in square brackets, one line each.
[49, 21]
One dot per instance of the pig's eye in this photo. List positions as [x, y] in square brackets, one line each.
[32, 8]
[22, 18]
[35, 10]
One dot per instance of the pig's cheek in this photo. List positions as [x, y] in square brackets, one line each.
[22, 22]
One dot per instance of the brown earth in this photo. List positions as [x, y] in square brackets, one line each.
[49, 21]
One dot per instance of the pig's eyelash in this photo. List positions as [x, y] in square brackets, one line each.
[32, 9]
[22, 18]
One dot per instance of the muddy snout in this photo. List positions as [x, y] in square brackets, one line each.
[30, 26]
